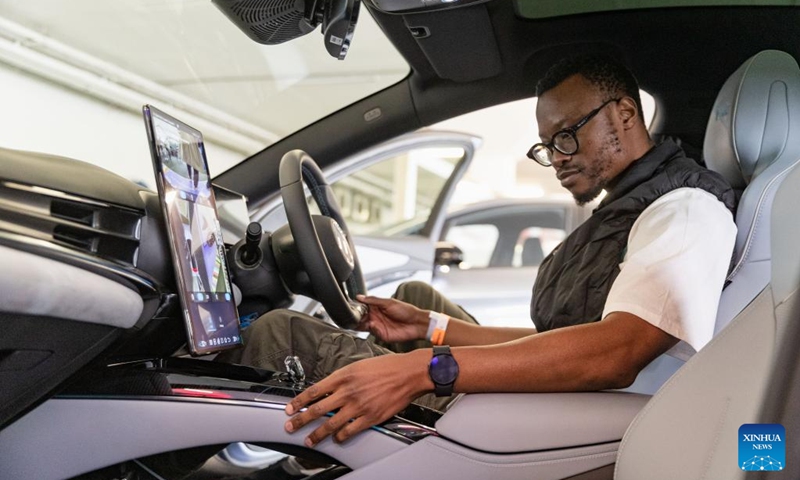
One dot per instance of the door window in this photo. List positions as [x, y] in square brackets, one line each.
[476, 241]
[395, 196]
[511, 235]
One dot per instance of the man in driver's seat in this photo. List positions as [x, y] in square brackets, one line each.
[642, 276]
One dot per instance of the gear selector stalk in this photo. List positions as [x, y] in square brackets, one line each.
[251, 253]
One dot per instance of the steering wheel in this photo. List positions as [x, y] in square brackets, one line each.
[334, 271]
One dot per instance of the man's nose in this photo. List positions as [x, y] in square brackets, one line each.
[559, 159]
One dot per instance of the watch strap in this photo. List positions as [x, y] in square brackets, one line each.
[441, 350]
[442, 389]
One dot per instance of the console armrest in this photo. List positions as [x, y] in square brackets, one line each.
[528, 422]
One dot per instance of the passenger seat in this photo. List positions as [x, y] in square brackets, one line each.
[689, 428]
[751, 142]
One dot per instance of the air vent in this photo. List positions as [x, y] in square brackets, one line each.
[82, 239]
[72, 211]
[104, 231]
[92, 227]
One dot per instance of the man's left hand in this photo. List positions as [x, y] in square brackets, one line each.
[365, 393]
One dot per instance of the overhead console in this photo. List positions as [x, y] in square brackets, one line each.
[459, 44]
[416, 6]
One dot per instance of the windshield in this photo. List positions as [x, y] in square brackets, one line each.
[76, 73]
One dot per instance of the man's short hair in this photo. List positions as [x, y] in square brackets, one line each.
[604, 72]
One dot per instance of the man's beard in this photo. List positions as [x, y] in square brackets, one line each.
[586, 197]
[599, 173]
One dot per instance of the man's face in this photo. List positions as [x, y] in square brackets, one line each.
[600, 153]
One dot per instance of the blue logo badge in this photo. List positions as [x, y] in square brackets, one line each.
[762, 446]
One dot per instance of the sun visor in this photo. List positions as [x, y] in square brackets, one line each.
[459, 43]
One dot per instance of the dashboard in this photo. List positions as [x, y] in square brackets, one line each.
[87, 268]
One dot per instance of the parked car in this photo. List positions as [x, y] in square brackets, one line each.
[97, 380]
[497, 243]
[502, 243]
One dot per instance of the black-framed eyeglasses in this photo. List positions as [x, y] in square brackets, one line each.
[564, 140]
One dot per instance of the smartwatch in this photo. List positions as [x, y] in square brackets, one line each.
[443, 370]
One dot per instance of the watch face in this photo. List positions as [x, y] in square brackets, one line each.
[444, 369]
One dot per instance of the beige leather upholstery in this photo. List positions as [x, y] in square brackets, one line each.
[532, 422]
[753, 139]
[689, 429]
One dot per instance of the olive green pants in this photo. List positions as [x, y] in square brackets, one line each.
[323, 348]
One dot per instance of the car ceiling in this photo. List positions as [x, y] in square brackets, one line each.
[483, 55]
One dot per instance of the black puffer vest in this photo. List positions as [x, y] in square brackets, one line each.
[574, 280]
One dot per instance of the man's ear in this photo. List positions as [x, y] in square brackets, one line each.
[628, 112]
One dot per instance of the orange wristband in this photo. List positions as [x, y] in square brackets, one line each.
[437, 327]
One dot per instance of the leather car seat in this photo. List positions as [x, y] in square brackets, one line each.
[748, 141]
[752, 140]
[689, 428]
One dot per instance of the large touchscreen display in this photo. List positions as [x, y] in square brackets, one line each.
[195, 235]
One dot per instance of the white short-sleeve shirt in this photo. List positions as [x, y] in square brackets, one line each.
[678, 255]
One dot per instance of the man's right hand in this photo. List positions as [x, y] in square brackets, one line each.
[392, 320]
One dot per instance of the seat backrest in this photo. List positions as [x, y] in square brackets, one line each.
[753, 140]
[689, 429]
[532, 253]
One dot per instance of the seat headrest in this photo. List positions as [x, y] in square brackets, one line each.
[749, 125]
[532, 253]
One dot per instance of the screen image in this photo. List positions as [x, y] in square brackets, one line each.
[195, 234]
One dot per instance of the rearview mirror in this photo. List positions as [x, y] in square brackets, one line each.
[271, 22]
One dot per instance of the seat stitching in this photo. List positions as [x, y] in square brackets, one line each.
[323, 205]
[713, 449]
[757, 215]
